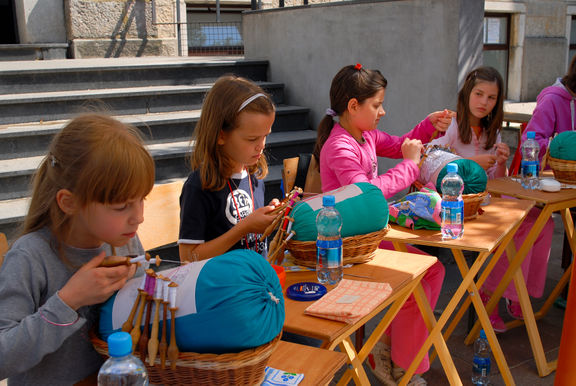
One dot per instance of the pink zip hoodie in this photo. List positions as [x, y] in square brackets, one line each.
[343, 160]
[554, 113]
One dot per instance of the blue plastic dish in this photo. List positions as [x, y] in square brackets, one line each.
[306, 291]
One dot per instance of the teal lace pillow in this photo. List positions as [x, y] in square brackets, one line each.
[363, 207]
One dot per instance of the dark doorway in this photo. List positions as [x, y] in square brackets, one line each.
[8, 34]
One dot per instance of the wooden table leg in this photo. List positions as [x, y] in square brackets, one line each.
[356, 358]
[564, 280]
[439, 342]
[515, 264]
[514, 272]
[467, 280]
[468, 301]
[356, 370]
[484, 320]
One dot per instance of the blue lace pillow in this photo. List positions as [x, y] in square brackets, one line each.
[225, 304]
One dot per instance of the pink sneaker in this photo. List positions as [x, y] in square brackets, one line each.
[495, 320]
[514, 309]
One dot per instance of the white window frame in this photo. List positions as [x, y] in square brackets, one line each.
[570, 11]
[517, 13]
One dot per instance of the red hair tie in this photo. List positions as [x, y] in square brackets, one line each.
[358, 66]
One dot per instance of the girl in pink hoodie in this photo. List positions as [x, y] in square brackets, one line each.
[347, 148]
[555, 111]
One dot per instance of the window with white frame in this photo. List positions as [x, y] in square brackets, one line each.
[572, 49]
[497, 43]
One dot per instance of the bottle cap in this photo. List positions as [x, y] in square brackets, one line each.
[482, 334]
[530, 135]
[328, 200]
[452, 168]
[306, 291]
[119, 344]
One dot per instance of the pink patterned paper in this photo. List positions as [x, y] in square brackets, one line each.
[350, 300]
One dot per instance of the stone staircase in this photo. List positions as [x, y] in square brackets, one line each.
[161, 96]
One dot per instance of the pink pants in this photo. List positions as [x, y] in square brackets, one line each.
[408, 331]
[534, 266]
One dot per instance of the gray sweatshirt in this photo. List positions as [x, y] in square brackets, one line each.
[33, 351]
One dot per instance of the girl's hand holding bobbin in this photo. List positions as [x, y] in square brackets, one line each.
[485, 160]
[502, 152]
[258, 221]
[93, 284]
[412, 149]
[441, 120]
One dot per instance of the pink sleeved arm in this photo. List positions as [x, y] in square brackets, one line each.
[542, 123]
[346, 167]
[391, 146]
[450, 136]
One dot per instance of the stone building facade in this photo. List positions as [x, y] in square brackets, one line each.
[539, 40]
[103, 28]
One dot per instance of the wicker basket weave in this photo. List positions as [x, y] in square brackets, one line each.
[564, 170]
[355, 249]
[244, 368]
[472, 204]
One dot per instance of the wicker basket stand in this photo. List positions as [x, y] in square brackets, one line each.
[564, 170]
[472, 204]
[355, 249]
[244, 368]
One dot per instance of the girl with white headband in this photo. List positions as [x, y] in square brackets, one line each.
[222, 201]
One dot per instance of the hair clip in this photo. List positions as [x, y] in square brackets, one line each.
[331, 112]
[53, 160]
[358, 66]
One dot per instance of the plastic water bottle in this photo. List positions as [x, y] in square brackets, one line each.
[329, 243]
[481, 362]
[122, 368]
[530, 163]
[452, 204]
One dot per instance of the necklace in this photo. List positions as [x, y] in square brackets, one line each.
[374, 165]
[240, 218]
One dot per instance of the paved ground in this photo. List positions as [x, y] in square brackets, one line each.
[514, 343]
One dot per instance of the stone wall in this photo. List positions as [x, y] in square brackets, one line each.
[414, 43]
[116, 28]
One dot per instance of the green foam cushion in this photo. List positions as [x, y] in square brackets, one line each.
[563, 145]
[474, 177]
[363, 208]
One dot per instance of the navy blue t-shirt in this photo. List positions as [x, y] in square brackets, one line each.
[206, 215]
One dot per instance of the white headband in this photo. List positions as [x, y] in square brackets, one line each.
[250, 100]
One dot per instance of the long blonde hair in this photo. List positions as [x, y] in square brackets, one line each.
[220, 112]
[98, 159]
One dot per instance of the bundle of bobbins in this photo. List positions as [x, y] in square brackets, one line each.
[356, 249]
[283, 225]
[157, 296]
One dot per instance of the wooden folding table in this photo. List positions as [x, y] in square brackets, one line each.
[403, 271]
[561, 202]
[318, 365]
[489, 233]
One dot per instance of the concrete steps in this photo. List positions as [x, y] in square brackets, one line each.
[161, 96]
[90, 74]
[33, 138]
[55, 105]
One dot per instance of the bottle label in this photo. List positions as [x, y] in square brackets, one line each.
[481, 365]
[329, 253]
[530, 168]
[329, 243]
[453, 211]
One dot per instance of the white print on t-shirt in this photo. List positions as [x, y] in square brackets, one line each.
[244, 202]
